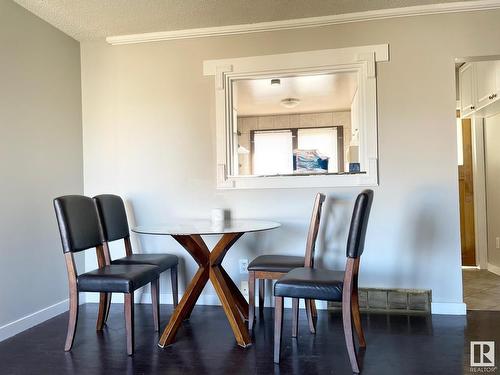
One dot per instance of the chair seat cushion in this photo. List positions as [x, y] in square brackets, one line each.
[276, 263]
[162, 261]
[311, 283]
[120, 278]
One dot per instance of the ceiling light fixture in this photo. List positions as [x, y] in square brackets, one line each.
[275, 81]
[290, 102]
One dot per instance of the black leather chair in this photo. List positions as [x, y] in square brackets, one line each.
[80, 230]
[113, 217]
[321, 284]
[272, 267]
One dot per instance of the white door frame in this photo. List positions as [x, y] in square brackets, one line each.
[479, 186]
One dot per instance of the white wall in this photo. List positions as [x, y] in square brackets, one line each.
[149, 135]
[492, 169]
[40, 158]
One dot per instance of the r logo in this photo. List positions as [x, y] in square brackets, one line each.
[482, 353]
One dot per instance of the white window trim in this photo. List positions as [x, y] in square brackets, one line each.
[358, 59]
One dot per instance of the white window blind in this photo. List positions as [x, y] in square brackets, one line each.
[273, 153]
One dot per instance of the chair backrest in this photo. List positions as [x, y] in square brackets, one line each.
[113, 217]
[359, 223]
[313, 230]
[78, 223]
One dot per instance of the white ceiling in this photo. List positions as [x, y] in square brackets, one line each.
[317, 93]
[97, 19]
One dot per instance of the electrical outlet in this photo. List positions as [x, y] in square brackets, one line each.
[498, 242]
[243, 265]
[244, 288]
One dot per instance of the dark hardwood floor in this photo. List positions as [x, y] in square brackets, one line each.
[397, 344]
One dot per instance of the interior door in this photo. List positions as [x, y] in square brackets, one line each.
[467, 232]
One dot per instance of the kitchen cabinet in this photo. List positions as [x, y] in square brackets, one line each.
[486, 82]
[479, 84]
[467, 91]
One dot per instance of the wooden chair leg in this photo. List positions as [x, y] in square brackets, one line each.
[108, 307]
[357, 320]
[262, 291]
[129, 321]
[175, 285]
[73, 318]
[155, 303]
[101, 315]
[310, 318]
[295, 317]
[348, 334]
[251, 299]
[314, 312]
[278, 327]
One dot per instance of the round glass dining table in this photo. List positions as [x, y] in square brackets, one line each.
[188, 233]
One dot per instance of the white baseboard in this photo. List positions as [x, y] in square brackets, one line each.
[31, 320]
[38, 317]
[494, 269]
[213, 300]
[320, 305]
[205, 299]
[448, 308]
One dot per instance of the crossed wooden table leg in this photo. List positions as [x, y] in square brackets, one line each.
[209, 262]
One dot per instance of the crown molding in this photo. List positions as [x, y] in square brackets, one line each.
[299, 23]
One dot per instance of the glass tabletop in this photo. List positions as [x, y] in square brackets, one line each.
[198, 226]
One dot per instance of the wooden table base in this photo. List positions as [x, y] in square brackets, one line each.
[210, 268]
